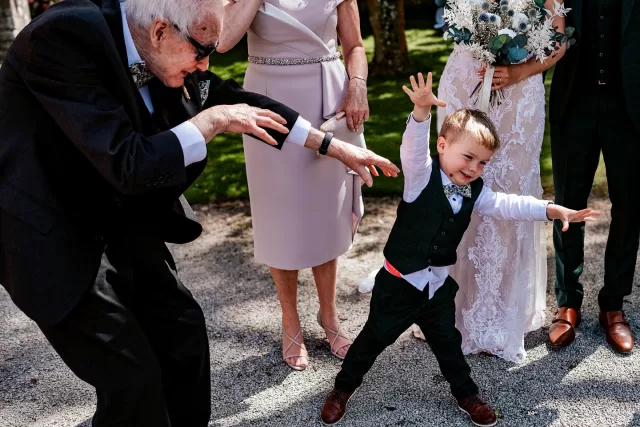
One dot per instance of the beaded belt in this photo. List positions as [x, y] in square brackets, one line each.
[293, 61]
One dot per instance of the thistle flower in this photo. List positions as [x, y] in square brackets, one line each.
[523, 27]
[532, 14]
[511, 13]
[495, 19]
[486, 6]
[504, 2]
[517, 20]
[483, 17]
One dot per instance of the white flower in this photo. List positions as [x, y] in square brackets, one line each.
[559, 9]
[507, 31]
[480, 53]
[539, 39]
[460, 14]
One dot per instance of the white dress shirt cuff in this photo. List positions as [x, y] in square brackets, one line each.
[193, 144]
[418, 129]
[539, 210]
[299, 133]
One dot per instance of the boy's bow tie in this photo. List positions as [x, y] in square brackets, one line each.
[140, 74]
[463, 190]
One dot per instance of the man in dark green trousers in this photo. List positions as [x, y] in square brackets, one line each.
[594, 108]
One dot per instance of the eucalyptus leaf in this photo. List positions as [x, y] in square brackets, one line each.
[517, 54]
[495, 44]
[520, 40]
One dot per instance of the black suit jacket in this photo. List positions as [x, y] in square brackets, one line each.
[81, 157]
[567, 67]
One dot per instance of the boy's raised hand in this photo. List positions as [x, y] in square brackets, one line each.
[422, 95]
[567, 215]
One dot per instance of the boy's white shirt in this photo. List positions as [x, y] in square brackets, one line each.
[416, 168]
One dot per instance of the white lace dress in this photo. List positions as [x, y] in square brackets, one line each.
[501, 266]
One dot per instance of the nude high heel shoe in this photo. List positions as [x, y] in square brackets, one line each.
[336, 334]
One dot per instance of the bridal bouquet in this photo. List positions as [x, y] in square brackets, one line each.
[505, 32]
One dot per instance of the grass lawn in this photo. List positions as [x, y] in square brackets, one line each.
[225, 176]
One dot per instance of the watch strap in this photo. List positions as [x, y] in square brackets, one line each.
[328, 136]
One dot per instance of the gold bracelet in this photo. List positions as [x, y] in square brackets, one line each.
[358, 77]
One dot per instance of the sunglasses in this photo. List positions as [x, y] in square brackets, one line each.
[201, 51]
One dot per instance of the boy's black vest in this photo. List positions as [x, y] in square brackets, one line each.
[427, 232]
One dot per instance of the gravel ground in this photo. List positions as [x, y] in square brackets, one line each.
[584, 385]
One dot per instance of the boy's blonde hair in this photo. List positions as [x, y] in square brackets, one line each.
[471, 122]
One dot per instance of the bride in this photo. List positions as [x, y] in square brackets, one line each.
[501, 266]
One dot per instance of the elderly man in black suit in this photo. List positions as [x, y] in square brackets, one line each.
[105, 111]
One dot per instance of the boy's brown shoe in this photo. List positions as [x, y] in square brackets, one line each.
[335, 406]
[478, 410]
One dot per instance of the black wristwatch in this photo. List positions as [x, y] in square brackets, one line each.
[328, 136]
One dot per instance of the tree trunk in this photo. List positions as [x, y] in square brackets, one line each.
[387, 21]
[14, 15]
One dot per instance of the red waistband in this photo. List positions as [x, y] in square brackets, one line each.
[391, 269]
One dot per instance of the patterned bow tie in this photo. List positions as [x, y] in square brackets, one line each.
[463, 190]
[141, 75]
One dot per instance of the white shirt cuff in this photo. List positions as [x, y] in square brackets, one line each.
[418, 129]
[539, 210]
[194, 147]
[299, 133]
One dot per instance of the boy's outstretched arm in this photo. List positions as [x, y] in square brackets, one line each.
[527, 208]
[414, 152]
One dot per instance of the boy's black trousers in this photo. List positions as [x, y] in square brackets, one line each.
[395, 306]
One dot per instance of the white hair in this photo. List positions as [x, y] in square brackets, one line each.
[183, 13]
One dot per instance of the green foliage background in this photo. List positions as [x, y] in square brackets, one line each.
[225, 176]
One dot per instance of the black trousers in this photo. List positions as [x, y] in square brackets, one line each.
[395, 306]
[139, 338]
[596, 121]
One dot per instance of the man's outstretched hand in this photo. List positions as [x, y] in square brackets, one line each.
[242, 118]
[239, 118]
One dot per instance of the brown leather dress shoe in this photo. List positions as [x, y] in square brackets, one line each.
[478, 410]
[562, 331]
[335, 406]
[619, 334]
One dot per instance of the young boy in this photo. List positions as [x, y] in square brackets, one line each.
[414, 286]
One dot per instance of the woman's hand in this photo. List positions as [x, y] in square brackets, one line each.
[355, 104]
[505, 75]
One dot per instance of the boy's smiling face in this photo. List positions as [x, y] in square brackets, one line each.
[463, 160]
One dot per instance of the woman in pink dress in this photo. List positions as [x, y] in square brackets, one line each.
[304, 214]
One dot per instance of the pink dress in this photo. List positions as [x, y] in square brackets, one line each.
[304, 208]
